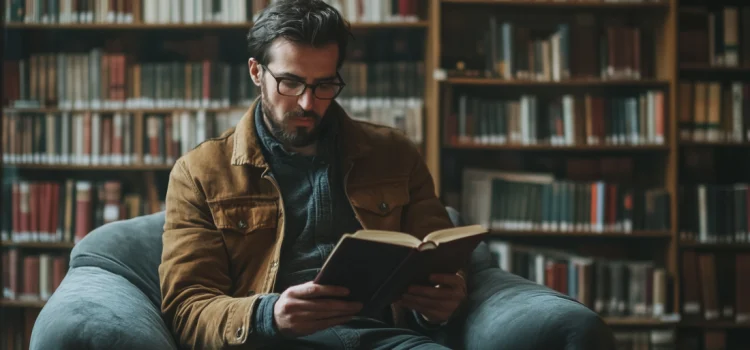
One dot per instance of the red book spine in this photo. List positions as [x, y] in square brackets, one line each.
[55, 211]
[83, 210]
[30, 277]
[34, 192]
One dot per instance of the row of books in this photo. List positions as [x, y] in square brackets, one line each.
[109, 80]
[111, 138]
[17, 325]
[68, 210]
[518, 201]
[715, 286]
[189, 11]
[655, 339]
[609, 287]
[711, 111]
[715, 36]
[31, 277]
[511, 49]
[711, 213]
[559, 121]
[125, 138]
[100, 79]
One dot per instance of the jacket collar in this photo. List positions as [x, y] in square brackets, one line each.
[247, 149]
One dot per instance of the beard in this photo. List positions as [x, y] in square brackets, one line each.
[287, 135]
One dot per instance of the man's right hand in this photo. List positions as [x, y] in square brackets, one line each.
[304, 309]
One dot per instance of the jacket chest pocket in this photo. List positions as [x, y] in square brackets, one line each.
[381, 205]
[245, 215]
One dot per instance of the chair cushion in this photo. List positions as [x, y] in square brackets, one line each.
[129, 248]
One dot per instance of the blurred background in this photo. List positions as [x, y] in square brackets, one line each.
[604, 142]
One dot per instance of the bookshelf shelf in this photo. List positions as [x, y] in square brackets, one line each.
[715, 246]
[42, 245]
[59, 167]
[637, 322]
[537, 233]
[715, 144]
[715, 325]
[593, 83]
[127, 110]
[190, 26]
[582, 148]
[570, 4]
[704, 68]
[33, 304]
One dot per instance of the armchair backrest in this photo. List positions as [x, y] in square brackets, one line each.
[129, 248]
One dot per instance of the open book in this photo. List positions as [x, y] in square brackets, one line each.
[378, 266]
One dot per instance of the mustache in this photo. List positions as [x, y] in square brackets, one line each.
[302, 113]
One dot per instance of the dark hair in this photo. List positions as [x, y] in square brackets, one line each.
[311, 22]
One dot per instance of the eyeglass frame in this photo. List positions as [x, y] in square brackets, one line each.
[341, 84]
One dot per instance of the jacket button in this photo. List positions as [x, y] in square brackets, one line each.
[241, 224]
[238, 334]
[383, 206]
[251, 293]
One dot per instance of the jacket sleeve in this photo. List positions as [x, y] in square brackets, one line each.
[194, 273]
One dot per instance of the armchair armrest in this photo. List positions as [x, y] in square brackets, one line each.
[96, 309]
[505, 311]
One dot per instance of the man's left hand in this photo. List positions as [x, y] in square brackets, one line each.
[438, 303]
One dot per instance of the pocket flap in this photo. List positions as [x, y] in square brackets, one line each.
[244, 214]
[382, 198]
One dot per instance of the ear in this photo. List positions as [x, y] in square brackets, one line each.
[254, 69]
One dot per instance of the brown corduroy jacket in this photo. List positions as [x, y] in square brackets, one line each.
[225, 222]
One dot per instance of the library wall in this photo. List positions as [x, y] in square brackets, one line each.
[604, 143]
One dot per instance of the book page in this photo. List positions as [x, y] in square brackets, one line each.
[392, 237]
[454, 233]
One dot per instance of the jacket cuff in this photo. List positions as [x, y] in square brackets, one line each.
[264, 325]
[424, 324]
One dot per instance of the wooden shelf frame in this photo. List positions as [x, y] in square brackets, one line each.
[584, 83]
[570, 4]
[73, 167]
[582, 234]
[193, 26]
[572, 148]
[38, 245]
[27, 304]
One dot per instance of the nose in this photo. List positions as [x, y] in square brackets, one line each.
[306, 100]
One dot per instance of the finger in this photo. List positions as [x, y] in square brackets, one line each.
[441, 293]
[452, 280]
[311, 290]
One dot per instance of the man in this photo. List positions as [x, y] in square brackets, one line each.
[253, 214]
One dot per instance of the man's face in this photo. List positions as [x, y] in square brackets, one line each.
[295, 120]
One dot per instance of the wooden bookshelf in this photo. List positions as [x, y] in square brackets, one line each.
[61, 167]
[715, 246]
[702, 68]
[28, 304]
[550, 148]
[582, 234]
[638, 322]
[715, 325]
[191, 26]
[569, 4]
[593, 83]
[37, 245]
[718, 144]
[126, 110]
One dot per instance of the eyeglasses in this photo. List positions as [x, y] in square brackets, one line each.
[294, 87]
